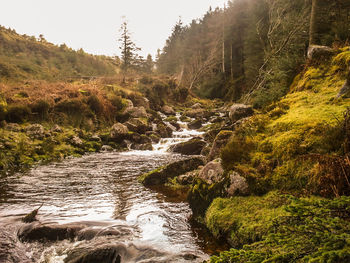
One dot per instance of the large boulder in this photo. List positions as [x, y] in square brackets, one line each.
[119, 132]
[137, 125]
[238, 185]
[162, 174]
[164, 130]
[167, 110]
[316, 52]
[240, 111]
[137, 112]
[39, 232]
[191, 147]
[220, 141]
[197, 113]
[212, 172]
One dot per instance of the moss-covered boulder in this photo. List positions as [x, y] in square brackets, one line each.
[162, 174]
[167, 110]
[119, 132]
[191, 147]
[212, 172]
[163, 130]
[219, 142]
[240, 111]
[139, 125]
[195, 125]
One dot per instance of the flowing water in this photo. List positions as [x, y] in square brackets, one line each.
[101, 190]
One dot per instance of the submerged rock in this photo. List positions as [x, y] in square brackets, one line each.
[39, 232]
[240, 111]
[162, 174]
[191, 147]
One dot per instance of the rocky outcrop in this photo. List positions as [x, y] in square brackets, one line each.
[191, 147]
[212, 172]
[167, 110]
[220, 141]
[240, 111]
[162, 174]
[35, 131]
[40, 232]
[238, 185]
[137, 112]
[119, 132]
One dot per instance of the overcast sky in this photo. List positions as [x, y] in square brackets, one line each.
[94, 24]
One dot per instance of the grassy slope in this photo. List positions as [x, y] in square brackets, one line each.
[23, 57]
[276, 144]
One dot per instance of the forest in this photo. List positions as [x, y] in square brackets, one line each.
[232, 144]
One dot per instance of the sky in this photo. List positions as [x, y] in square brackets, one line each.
[94, 24]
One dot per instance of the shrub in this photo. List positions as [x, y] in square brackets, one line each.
[41, 108]
[3, 108]
[18, 113]
[95, 104]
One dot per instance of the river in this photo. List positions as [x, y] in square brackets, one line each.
[102, 190]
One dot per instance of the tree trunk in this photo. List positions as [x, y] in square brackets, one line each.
[319, 21]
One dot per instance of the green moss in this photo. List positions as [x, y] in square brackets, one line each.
[244, 220]
[171, 118]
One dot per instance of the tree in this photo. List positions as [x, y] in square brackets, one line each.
[128, 49]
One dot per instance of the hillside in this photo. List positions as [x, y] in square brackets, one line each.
[25, 57]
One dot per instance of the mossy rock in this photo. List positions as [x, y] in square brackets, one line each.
[162, 174]
[191, 147]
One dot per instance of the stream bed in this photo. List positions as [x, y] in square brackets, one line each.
[102, 190]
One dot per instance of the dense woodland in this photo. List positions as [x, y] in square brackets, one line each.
[285, 64]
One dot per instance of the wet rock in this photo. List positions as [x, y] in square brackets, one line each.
[137, 125]
[163, 130]
[194, 125]
[162, 174]
[220, 141]
[167, 110]
[155, 138]
[76, 141]
[240, 111]
[35, 131]
[39, 232]
[142, 147]
[15, 127]
[175, 125]
[103, 254]
[12, 251]
[238, 185]
[119, 132]
[191, 147]
[212, 172]
[106, 148]
[92, 232]
[31, 217]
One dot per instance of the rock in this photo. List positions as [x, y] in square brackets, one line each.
[212, 172]
[187, 178]
[345, 90]
[163, 130]
[316, 52]
[95, 138]
[191, 147]
[137, 112]
[31, 217]
[196, 113]
[76, 141]
[129, 105]
[240, 111]
[35, 131]
[238, 185]
[118, 132]
[155, 138]
[39, 232]
[196, 106]
[194, 125]
[142, 147]
[220, 141]
[13, 127]
[167, 110]
[106, 148]
[137, 125]
[56, 128]
[162, 174]
[175, 125]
